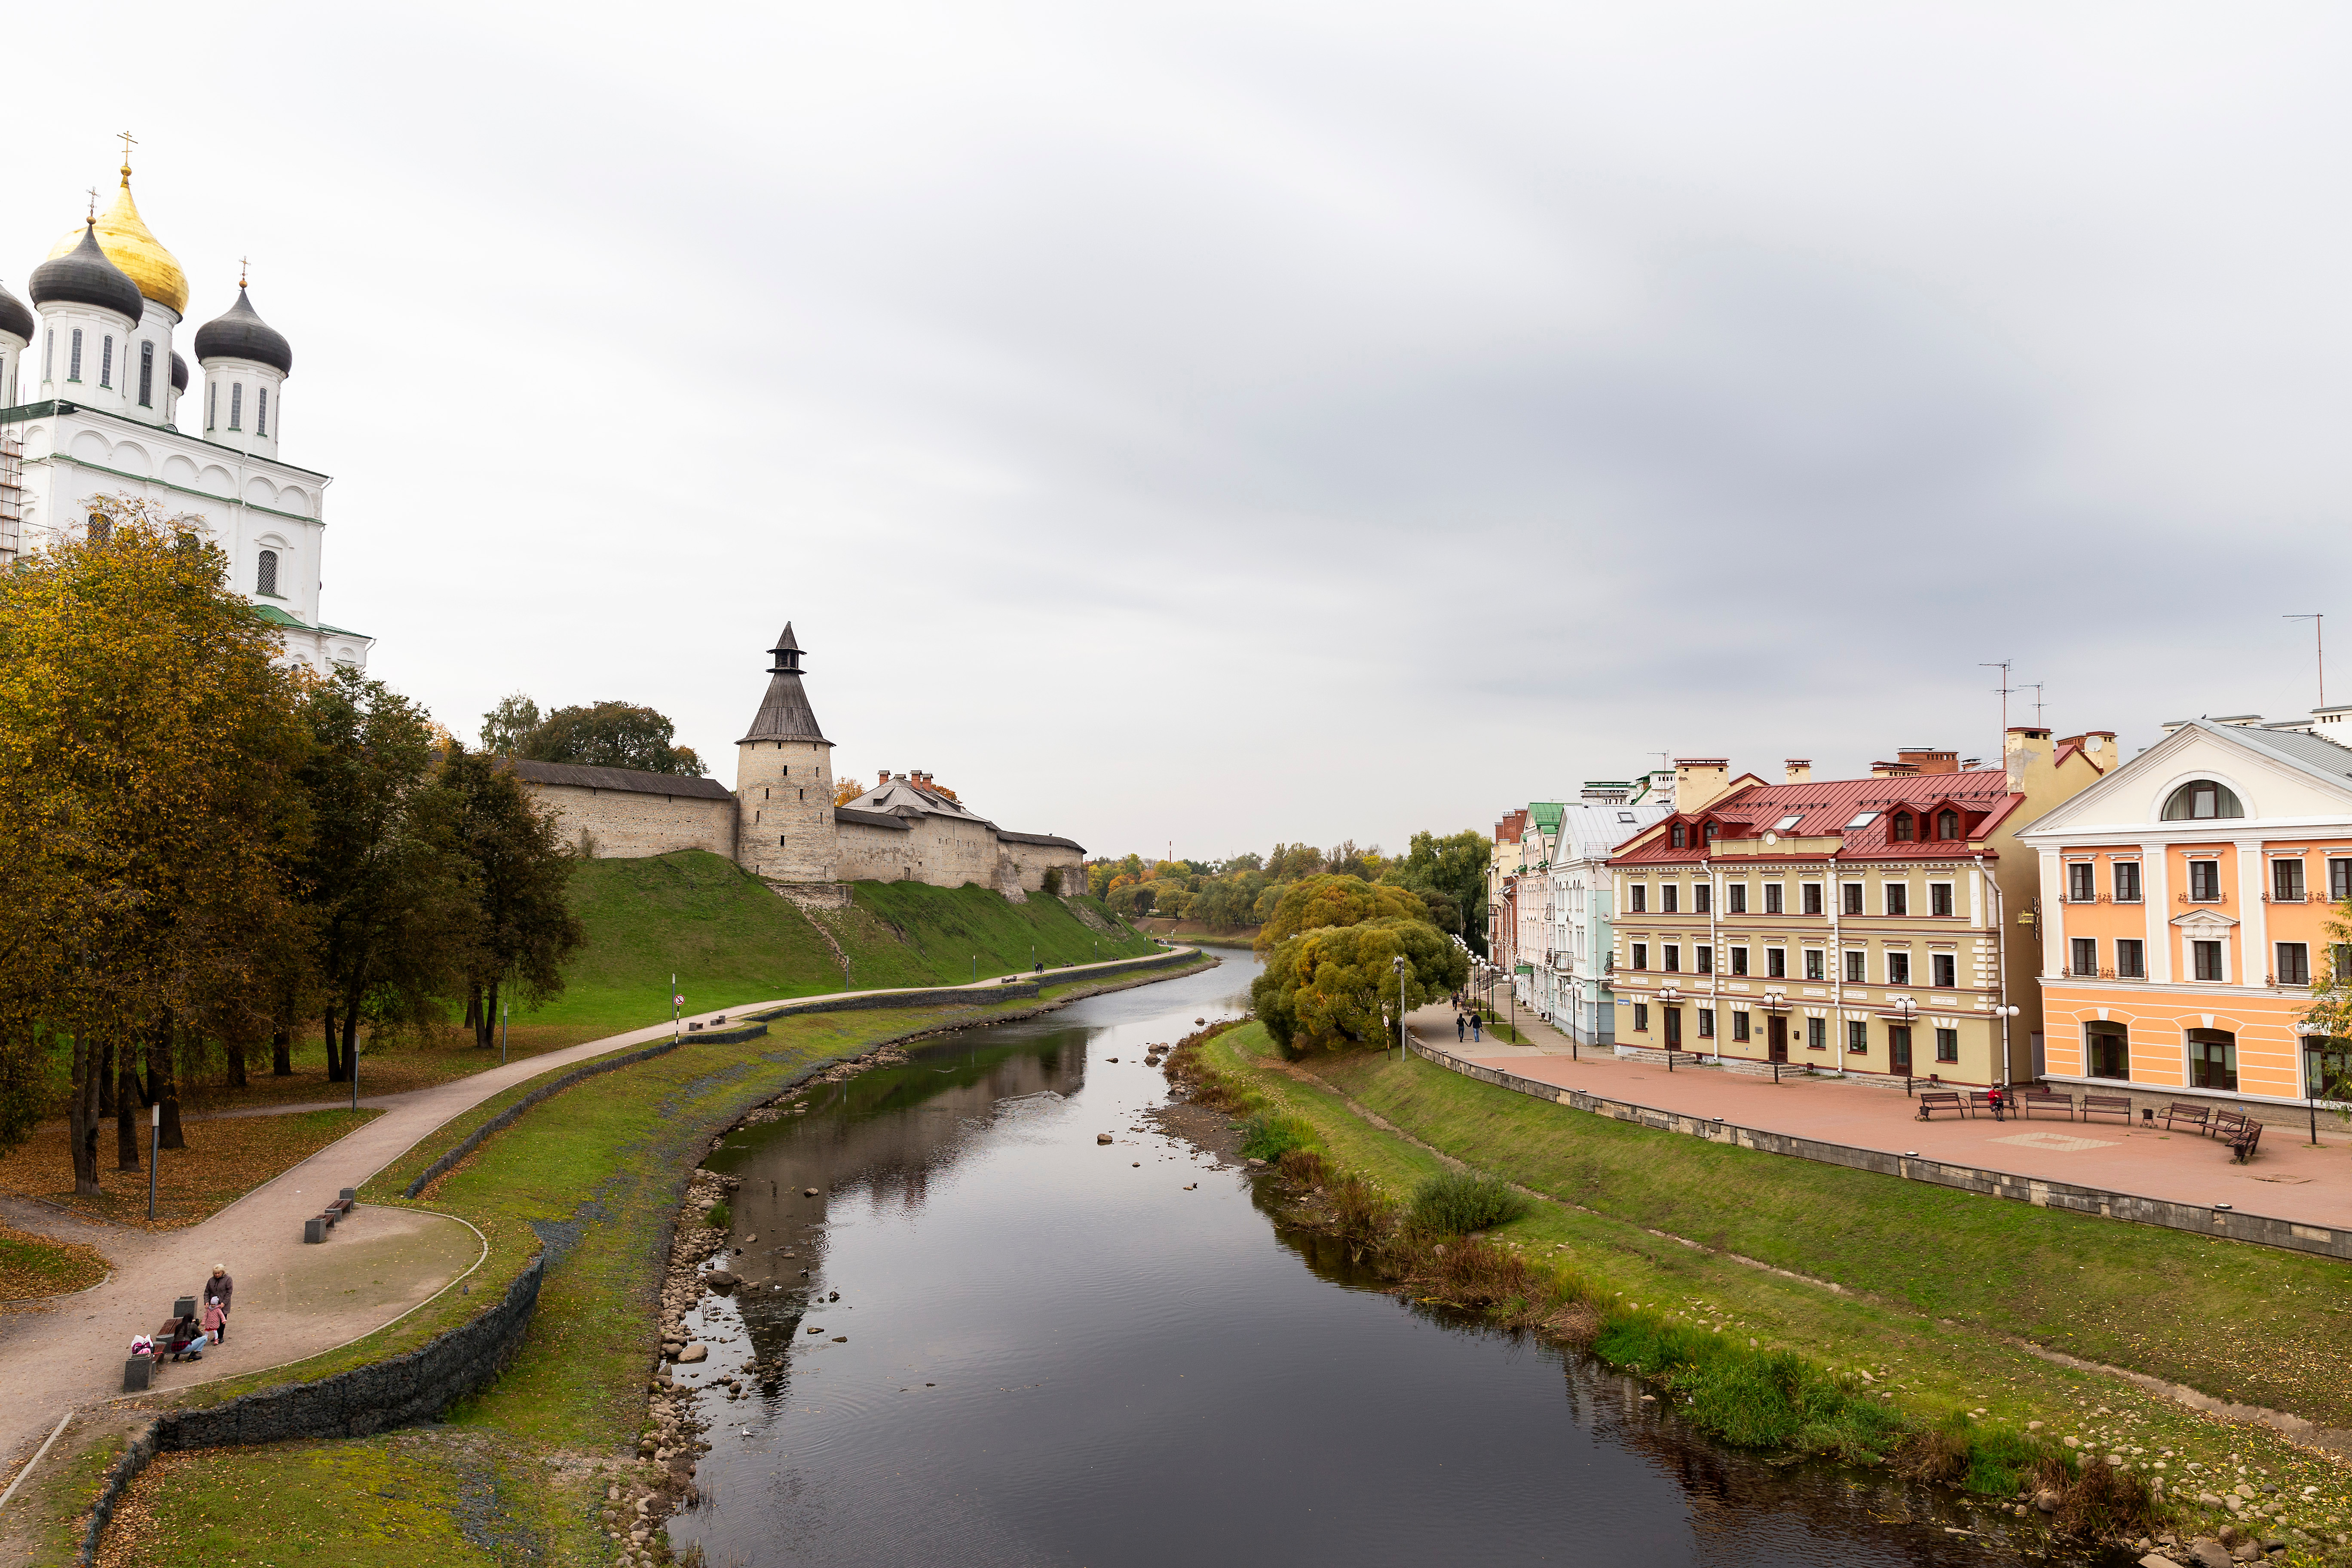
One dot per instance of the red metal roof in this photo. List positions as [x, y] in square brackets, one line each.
[1823, 808]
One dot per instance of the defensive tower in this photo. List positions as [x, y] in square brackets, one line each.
[783, 780]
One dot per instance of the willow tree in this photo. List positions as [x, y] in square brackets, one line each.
[148, 754]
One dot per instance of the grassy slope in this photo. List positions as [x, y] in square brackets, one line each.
[910, 933]
[1933, 1329]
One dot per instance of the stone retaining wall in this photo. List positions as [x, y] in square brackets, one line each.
[2198, 1218]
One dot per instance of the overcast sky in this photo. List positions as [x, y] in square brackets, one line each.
[1218, 423]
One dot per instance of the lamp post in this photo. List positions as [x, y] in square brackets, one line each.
[1402, 969]
[155, 1148]
[503, 1010]
[2315, 1048]
[1906, 1008]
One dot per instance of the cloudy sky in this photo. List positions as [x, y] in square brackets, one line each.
[1217, 423]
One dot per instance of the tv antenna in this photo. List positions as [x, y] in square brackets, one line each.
[2004, 688]
[2318, 648]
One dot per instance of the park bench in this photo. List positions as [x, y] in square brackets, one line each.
[316, 1230]
[1981, 1100]
[2045, 1099]
[2188, 1116]
[2106, 1105]
[2227, 1124]
[1934, 1099]
[138, 1370]
[2248, 1137]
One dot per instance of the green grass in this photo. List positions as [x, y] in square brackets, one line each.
[1272, 1137]
[911, 934]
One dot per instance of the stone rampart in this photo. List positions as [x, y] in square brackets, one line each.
[627, 824]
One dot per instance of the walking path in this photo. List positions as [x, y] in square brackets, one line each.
[292, 1301]
[2288, 1179]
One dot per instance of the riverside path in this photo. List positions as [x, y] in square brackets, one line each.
[293, 1301]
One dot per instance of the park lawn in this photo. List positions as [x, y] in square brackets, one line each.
[1934, 1366]
[34, 1266]
[2239, 1321]
[226, 1159]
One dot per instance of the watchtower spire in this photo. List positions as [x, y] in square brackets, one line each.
[784, 713]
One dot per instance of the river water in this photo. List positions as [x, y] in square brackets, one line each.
[1015, 1346]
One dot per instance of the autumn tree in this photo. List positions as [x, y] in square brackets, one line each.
[846, 789]
[1338, 987]
[1333, 901]
[609, 735]
[1450, 870]
[506, 726]
[515, 870]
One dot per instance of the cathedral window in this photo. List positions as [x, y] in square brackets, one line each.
[261, 411]
[212, 404]
[73, 358]
[146, 375]
[49, 355]
[237, 405]
[106, 363]
[265, 574]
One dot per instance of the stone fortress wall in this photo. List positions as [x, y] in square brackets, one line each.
[624, 818]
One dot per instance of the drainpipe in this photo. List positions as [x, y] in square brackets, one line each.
[1714, 951]
[2000, 963]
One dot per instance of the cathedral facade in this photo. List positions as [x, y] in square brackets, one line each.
[779, 821]
[96, 399]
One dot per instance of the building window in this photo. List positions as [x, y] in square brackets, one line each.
[1638, 893]
[2201, 801]
[1817, 1034]
[2106, 1051]
[2085, 956]
[1815, 964]
[1670, 897]
[2131, 961]
[1943, 970]
[1857, 1038]
[2127, 881]
[1898, 968]
[2286, 881]
[1706, 1023]
[99, 529]
[211, 405]
[1640, 955]
[1939, 899]
[1739, 1025]
[1772, 895]
[106, 362]
[2078, 882]
[2294, 964]
[1707, 830]
[2205, 881]
[1679, 835]
[2208, 959]
[1776, 963]
[1899, 827]
[1641, 1018]
[1813, 898]
[1857, 964]
[1674, 956]
[146, 375]
[50, 354]
[1704, 958]
[2213, 1059]
[1852, 895]
[1948, 1045]
[1738, 961]
[265, 574]
[73, 358]
[1737, 894]
[2339, 881]
[1898, 899]
[1702, 899]
[236, 405]
[261, 411]
[1947, 825]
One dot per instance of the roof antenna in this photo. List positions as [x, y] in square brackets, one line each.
[2319, 647]
[2004, 688]
[2037, 702]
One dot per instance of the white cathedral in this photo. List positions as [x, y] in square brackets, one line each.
[91, 404]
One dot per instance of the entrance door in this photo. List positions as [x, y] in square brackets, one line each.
[1673, 1028]
[1898, 1048]
[1776, 1037]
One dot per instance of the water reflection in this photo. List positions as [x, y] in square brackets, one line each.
[1030, 1348]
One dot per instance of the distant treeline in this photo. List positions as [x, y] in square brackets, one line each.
[1448, 872]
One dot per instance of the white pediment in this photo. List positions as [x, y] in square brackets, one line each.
[2204, 922]
[2130, 800]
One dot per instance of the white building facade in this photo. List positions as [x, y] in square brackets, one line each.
[94, 400]
[1604, 816]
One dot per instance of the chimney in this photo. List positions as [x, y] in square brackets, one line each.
[1699, 780]
[1927, 760]
[1798, 770]
[2019, 747]
[1893, 770]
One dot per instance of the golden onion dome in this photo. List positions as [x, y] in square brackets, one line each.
[128, 242]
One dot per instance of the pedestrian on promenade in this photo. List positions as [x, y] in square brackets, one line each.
[218, 1287]
[1457, 1028]
[1474, 1027]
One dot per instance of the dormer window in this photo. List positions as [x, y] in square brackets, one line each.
[1678, 836]
[1710, 829]
[1947, 825]
[1899, 830]
[2201, 801]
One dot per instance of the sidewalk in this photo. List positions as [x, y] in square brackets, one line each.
[293, 1301]
[2288, 1179]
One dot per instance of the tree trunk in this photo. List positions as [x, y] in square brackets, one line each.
[161, 1073]
[334, 1061]
[474, 1010]
[106, 1080]
[281, 1054]
[81, 1116]
[489, 1017]
[126, 1106]
[236, 1062]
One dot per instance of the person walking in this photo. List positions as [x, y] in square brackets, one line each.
[219, 1286]
[214, 1319]
[1458, 1028]
[1475, 1022]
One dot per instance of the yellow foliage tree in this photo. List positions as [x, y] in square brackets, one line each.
[846, 789]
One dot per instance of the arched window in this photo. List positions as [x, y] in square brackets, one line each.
[73, 358]
[99, 528]
[1900, 831]
[106, 363]
[265, 574]
[146, 375]
[261, 411]
[1711, 828]
[211, 405]
[1679, 836]
[237, 405]
[1947, 825]
[2202, 800]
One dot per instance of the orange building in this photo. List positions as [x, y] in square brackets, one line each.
[2184, 906]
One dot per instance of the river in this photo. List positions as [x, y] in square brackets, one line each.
[1014, 1345]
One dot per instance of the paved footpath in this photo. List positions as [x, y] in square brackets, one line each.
[2288, 1179]
[293, 1301]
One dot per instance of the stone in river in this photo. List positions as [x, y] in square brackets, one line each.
[1102, 1137]
[808, 1192]
[694, 1352]
[722, 1280]
[2208, 1552]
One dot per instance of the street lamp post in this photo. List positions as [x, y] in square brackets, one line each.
[155, 1150]
[2314, 1046]
[1402, 969]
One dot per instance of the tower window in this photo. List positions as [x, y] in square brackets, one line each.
[146, 375]
[73, 358]
[237, 405]
[265, 574]
[261, 411]
[782, 841]
[211, 405]
[106, 363]
[49, 355]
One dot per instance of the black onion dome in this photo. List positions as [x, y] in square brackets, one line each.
[83, 275]
[179, 371]
[14, 317]
[241, 335]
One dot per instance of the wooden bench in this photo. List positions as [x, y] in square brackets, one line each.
[1981, 1100]
[2247, 1138]
[2045, 1099]
[2227, 1123]
[1934, 1099]
[317, 1229]
[2187, 1115]
[2106, 1105]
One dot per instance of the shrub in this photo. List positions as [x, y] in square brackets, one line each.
[1305, 1167]
[2099, 1501]
[1267, 1136]
[1456, 1203]
[1362, 1214]
[721, 1216]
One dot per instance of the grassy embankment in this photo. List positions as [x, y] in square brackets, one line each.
[1937, 1296]
[594, 1174]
